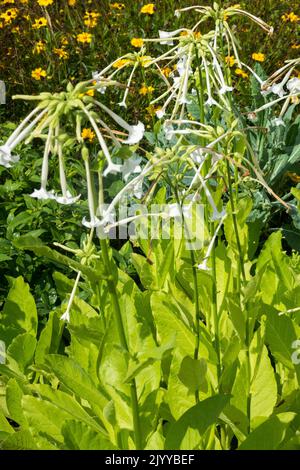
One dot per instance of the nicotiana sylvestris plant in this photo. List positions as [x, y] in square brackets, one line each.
[199, 353]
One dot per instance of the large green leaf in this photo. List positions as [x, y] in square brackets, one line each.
[76, 379]
[188, 431]
[19, 310]
[270, 434]
[21, 440]
[78, 436]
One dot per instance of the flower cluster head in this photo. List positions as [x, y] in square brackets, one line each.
[67, 116]
[292, 17]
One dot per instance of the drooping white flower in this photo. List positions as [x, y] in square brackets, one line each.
[203, 266]
[112, 169]
[136, 133]
[66, 314]
[66, 199]
[166, 35]
[42, 194]
[131, 166]
[6, 158]
[293, 85]
[93, 223]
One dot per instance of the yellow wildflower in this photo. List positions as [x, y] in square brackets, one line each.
[230, 60]
[148, 9]
[38, 73]
[258, 56]
[166, 71]
[39, 23]
[290, 17]
[45, 3]
[61, 53]
[9, 15]
[71, 3]
[117, 6]
[146, 90]
[121, 63]
[152, 110]
[137, 42]
[241, 73]
[296, 46]
[84, 37]
[88, 134]
[91, 19]
[39, 47]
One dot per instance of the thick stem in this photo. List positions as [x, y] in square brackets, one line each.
[118, 316]
[215, 306]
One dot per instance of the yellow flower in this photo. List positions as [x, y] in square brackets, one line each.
[121, 63]
[241, 73]
[44, 3]
[117, 6]
[166, 71]
[39, 47]
[71, 3]
[91, 19]
[296, 46]
[61, 53]
[88, 134]
[84, 37]
[258, 56]
[152, 110]
[137, 42]
[230, 60]
[145, 60]
[39, 23]
[184, 33]
[38, 73]
[9, 15]
[64, 41]
[146, 90]
[4, 2]
[148, 9]
[90, 92]
[290, 17]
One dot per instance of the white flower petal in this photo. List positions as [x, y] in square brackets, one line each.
[92, 224]
[113, 169]
[42, 193]
[66, 316]
[136, 133]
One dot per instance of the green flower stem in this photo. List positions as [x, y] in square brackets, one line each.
[121, 330]
[198, 315]
[215, 306]
[238, 242]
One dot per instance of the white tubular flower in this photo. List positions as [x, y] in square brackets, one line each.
[93, 223]
[112, 169]
[17, 131]
[219, 75]
[278, 88]
[166, 35]
[131, 166]
[67, 199]
[66, 315]
[203, 266]
[293, 85]
[42, 194]
[136, 132]
[6, 158]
